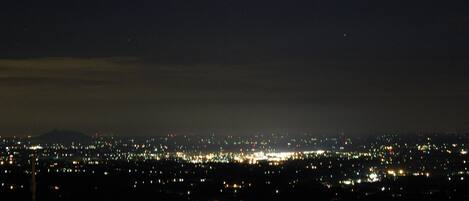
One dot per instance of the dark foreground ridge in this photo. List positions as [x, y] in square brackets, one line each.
[157, 181]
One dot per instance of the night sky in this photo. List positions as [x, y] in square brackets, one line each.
[234, 67]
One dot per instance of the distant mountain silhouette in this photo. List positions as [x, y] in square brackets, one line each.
[62, 137]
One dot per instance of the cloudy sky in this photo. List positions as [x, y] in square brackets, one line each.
[234, 67]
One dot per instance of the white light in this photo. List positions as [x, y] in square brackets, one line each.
[347, 182]
[36, 147]
[373, 177]
[320, 151]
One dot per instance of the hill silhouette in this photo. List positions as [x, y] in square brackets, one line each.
[62, 137]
